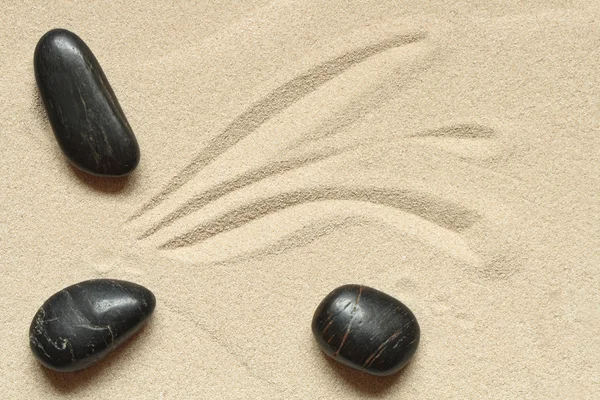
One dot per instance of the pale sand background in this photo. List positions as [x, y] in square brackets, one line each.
[447, 154]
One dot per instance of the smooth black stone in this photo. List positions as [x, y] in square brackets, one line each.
[82, 323]
[86, 117]
[366, 329]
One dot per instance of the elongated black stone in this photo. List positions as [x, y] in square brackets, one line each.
[86, 117]
[366, 329]
[82, 323]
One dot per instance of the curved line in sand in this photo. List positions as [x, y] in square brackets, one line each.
[238, 182]
[279, 167]
[273, 104]
[459, 131]
[323, 219]
[445, 214]
[303, 236]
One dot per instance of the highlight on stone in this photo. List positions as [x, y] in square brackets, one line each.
[82, 323]
[88, 122]
[366, 329]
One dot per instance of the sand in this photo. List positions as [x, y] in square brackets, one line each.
[443, 152]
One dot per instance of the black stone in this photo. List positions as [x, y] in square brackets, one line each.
[366, 329]
[82, 323]
[86, 117]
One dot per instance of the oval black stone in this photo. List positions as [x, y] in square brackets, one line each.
[82, 323]
[86, 117]
[366, 329]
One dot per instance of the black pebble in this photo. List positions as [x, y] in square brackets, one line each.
[82, 323]
[366, 329]
[86, 117]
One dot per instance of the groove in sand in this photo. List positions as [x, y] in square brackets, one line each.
[273, 104]
[448, 215]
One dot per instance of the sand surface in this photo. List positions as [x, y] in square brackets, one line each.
[445, 152]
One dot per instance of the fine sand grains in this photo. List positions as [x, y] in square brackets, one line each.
[443, 153]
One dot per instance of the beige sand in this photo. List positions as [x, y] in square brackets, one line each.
[445, 152]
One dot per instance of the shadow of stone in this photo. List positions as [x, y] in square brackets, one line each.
[364, 383]
[103, 184]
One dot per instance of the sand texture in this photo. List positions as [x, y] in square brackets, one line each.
[444, 152]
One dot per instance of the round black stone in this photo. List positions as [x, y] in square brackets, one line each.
[82, 323]
[366, 329]
[84, 112]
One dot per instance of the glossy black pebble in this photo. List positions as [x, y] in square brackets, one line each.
[366, 329]
[86, 117]
[82, 323]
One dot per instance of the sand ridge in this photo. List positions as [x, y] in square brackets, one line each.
[444, 153]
